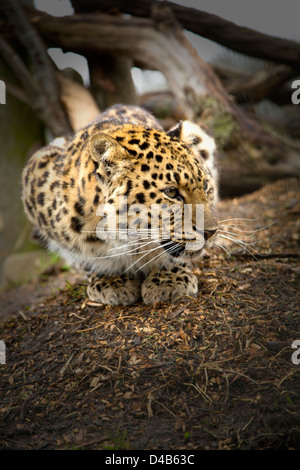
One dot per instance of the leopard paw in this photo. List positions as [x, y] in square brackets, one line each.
[167, 285]
[118, 290]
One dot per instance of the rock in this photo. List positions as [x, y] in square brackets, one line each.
[22, 267]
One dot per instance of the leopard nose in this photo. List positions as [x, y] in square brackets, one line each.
[209, 233]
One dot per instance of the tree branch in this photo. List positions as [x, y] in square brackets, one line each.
[237, 38]
[18, 67]
[260, 85]
[251, 153]
[78, 101]
[155, 45]
[43, 68]
[16, 91]
[42, 87]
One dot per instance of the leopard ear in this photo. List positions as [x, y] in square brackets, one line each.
[103, 147]
[201, 141]
[175, 132]
[197, 137]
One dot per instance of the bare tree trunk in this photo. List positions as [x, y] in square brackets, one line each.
[41, 85]
[110, 77]
[111, 80]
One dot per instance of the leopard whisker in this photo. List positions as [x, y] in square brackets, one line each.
[238, 218]
[248, 233]
[162, 254]
[149, 251]
[138, 243]
[133, 236]
[234, 227]
[235, 239]
[126, 230]
[130, 252]
[243, 245]
[234, 236]
[223, 246]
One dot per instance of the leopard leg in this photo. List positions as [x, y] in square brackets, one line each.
[114, 290]
[167, 285]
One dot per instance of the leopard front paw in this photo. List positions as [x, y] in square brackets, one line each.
[166, 286]
[118, 290]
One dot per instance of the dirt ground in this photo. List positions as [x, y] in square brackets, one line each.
[214, 372]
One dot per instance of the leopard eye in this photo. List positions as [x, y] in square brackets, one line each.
[172, 193]
[205, 185]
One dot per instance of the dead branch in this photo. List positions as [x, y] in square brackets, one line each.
[18, 67]
[261, 85]
[110, 79]
[237, 38]
[78, 101]
[251, 88]
[16, 91]
[41, 86]
[44, 68]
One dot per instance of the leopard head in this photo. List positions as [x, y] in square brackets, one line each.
[160, 187]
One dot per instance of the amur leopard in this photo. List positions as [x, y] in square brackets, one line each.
[125, 155]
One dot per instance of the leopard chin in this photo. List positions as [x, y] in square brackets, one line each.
[190, 250]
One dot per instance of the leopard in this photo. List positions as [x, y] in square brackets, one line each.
[91, 196]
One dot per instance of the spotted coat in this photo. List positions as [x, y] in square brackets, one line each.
[125, 153]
